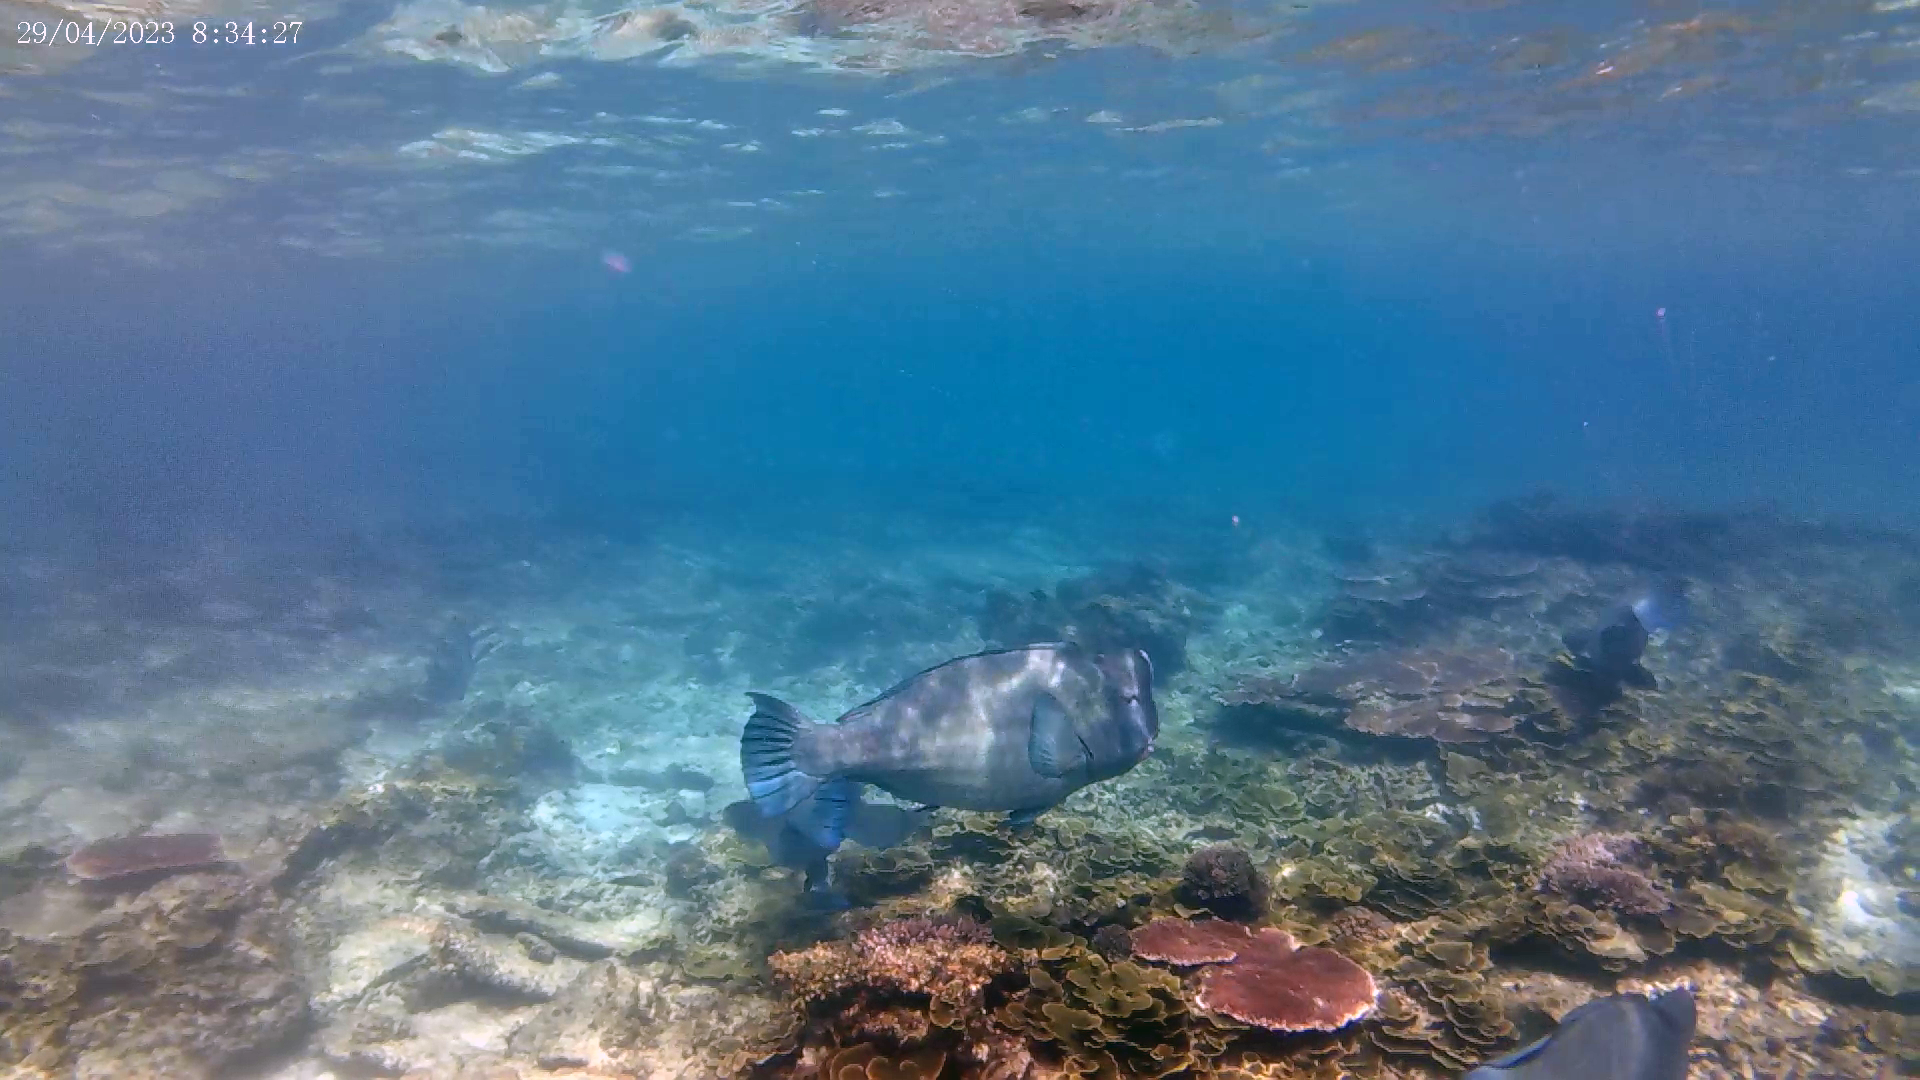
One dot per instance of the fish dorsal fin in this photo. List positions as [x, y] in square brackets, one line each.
[1054, 748]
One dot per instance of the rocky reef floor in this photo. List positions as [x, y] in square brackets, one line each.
[452, 802]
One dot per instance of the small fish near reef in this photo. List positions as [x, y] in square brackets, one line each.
[1623, 1037]
[1612, 650]
[1016, 730]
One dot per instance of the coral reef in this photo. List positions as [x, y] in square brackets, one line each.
[1661, 540]
[188, 978]
[1450, 697]
[906, 997]
[1262, 977]
[1129, 607]
[1223, 879]
[540, 880]
[1185, 943]
[1598, 870]
[952, 959]
[1278, 986]
[1084, 1015]
[1407, 601]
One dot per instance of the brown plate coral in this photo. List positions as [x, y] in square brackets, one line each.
[1447, 696]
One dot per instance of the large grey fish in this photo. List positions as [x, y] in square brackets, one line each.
[1017, 730]
[1623, 1037]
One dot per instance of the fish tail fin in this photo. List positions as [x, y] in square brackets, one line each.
[1663, 605]
[776, 784]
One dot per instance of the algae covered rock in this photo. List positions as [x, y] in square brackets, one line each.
[599, 1020]
[186, 979]
[1125, 607]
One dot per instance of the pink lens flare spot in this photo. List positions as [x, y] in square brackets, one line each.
[617, 262]
[1236, 521]
[1660, 313]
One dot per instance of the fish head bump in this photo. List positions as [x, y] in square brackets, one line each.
[1133, 721]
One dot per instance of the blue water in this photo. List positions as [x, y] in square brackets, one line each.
[1301, 377]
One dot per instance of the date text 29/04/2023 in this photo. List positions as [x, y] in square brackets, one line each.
[95, 33]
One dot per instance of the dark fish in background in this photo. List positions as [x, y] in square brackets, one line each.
[1015, 730]
[787, 838]
[1624, 1037]
[456, 657]
[1612, 650]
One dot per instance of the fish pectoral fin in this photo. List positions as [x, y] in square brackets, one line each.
[823, 818]
[1500, 1065]
[1054, 748]
[1021, 819]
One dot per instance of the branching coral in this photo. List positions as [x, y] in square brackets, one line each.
[1600, 870]
[952, 959]
[902, 998]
